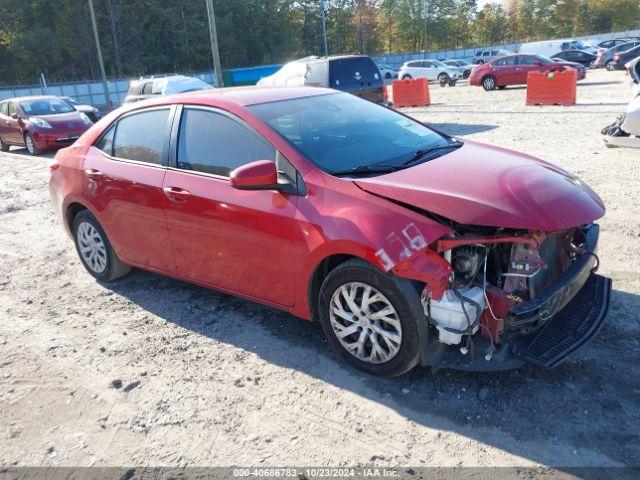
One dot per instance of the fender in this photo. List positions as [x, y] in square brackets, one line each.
[383, 233]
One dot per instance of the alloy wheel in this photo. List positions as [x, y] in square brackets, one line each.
[489, 83]
[29, 143]
[365, 322]
[92, 247]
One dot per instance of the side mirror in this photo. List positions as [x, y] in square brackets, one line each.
[15, 116]
[259, 175]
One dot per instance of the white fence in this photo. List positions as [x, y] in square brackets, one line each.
[92, 92]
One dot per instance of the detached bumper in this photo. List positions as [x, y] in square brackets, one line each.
[566, 315]
[571, 328]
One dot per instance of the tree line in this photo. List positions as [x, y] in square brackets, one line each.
[138, 37]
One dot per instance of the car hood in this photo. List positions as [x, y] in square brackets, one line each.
[482, 185]
[71, 120]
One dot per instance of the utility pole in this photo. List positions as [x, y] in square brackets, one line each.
[426, 17]
[325, 11]
[214, 43]
[105, 86]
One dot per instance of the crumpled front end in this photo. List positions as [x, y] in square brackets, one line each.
[515, 296]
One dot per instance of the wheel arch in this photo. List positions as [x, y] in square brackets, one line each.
[73, 209]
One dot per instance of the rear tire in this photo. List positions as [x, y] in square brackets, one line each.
[3, 146]
[397, 347]
[466, 74]
[31, 145]
[95, 250]
[609, 66]
[406, 77]
[489, 83]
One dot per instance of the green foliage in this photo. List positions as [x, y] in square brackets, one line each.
[150, 36]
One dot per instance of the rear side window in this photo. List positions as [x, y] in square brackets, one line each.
[148, 88]
[141, 136]
[211, 142]
[504, 62]
[12, 108]
[4, 108]
[106, 141]
[352, 71]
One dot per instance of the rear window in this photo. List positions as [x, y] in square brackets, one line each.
[352, 71]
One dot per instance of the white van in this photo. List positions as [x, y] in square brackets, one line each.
[547, 48]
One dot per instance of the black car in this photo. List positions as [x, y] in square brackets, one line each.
[612, 43]
[621, 58]
[605, 59]
[575, 56]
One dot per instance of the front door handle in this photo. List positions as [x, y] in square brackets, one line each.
[176, 194]
[93, 174]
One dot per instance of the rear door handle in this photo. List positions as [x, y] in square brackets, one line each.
[176, 194]
[93, 174]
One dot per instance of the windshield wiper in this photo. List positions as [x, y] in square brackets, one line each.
[365, 169]
[423, 152]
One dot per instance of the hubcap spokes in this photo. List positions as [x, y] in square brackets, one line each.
[30, 145]
[365, 323]
[92, 247]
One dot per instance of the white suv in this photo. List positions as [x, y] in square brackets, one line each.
[483, 56]
[429, 69]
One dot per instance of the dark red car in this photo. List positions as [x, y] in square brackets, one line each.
[513, 70]
[407, 245]
[40, 123]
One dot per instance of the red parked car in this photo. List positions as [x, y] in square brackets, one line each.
[40, 123]
[513, 70]
[407, 245]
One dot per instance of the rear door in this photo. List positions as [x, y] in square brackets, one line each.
[237, 240]
[356, 75]
[4, 120]
[123, 174]
[505, 70]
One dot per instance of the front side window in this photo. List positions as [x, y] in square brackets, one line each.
[141, 136]
[339, 132]
[12, 108]
[214, 143]
[148, 88]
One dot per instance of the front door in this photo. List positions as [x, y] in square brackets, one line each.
[13, 130]
[123, 174]
[241, 241]
[526, 64]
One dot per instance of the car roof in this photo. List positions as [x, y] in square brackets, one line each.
[240, 96]
[30, 97]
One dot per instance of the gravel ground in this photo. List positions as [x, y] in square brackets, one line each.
[152, 371]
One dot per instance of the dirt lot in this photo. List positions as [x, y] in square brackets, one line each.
[152, 371]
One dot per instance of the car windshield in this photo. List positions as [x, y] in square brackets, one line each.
[342, 133]
[48, 106]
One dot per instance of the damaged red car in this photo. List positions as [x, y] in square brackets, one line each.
[407, 245]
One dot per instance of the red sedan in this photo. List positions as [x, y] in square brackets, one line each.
[513, 70]
[407, 245]
[40, 123]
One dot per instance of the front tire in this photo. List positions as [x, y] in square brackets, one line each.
[371, 318]
[31, 145]
[95, 250]
[489, 83]
[610, 66]
[406, 77]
